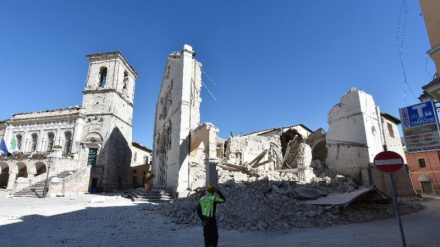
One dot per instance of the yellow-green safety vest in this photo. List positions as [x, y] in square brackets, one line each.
[207, 204]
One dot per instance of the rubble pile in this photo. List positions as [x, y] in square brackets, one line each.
[267, 205]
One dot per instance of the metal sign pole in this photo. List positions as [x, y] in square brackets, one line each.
[391, 158]
[397, 210]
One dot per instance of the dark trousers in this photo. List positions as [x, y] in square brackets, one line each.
[210, 232]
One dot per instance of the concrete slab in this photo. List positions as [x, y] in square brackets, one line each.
[339, 199]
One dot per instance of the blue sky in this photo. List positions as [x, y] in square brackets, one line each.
[272, 63]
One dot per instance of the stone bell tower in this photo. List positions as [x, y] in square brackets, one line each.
[177, 114]
[107, 134]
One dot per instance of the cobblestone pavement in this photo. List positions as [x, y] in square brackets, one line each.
[111, 220]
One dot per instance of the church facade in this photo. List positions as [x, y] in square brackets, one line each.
[90, 145]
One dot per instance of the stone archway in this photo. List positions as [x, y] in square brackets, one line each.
[22, 171]
[40, 168]
[4, 175]
[92, 145]
[319, 150]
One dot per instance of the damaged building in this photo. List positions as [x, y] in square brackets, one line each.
[188, 154]
[271, 150]
[358, 131]
[177, 113]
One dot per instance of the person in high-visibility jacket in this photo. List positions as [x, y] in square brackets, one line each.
[207, 211]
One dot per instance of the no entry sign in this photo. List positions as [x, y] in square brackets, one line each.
[388, 161]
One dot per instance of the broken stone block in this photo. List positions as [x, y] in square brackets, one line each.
[308, 193]
[97, 199]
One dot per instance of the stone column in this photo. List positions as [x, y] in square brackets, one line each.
[77, 135]
[31, 174]
[11, 180]
[26, 146]
[41, 148]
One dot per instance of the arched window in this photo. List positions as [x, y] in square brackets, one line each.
[34, 142]
[125, 82]
[102, 76]
[19, 140]
[68, 142]
[50, 139]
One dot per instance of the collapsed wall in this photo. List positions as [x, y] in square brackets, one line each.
[277, 154]
[204, 155]
[244, 149]
[187, 154]
[357, 132]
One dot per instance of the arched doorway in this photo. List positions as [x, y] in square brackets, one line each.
[22, 171]
[4, 175]
[40, 168]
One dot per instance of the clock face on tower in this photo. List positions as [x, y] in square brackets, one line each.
[98, 103]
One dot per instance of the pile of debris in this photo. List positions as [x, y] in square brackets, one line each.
[267, 205]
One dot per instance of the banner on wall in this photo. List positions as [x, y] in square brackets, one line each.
[420, 127]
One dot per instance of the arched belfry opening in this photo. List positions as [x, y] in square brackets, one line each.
[102, 76]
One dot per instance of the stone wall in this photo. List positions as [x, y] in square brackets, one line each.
[427, 173]
[59, 165]
[77, 183]
[243, 149]
[3, 127]
[203, 154]
[357, 133]
[57, 122]
[347, 137]
[177, 114]
[392, 138]
[108, 125]
[402, 182]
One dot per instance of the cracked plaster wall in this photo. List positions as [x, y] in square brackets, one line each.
[356, 135]
[177, 114]
[243, 149]
[203, 151]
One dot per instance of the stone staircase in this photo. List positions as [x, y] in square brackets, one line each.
[36, 190]
[155, 195]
